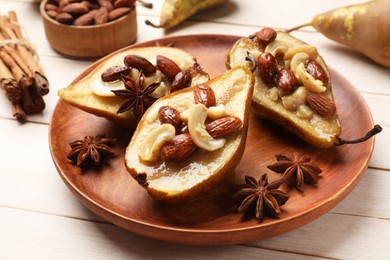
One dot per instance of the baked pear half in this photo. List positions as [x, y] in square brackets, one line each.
[122, 86]
[191, 140]
[292, 85]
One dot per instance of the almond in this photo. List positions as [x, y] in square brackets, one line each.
[85, 19]
[182, 80]
[118, 12]
[75, 9]
[52, 13]
[105, 3]
[267, 67]
[266, 36]
[114, 73]
[317, 71]
[178, 148]
[140, 63]
[223, 126]
[321, 104]
[50, 7]
[286, 80]
[203, 94]
[169, 115]
[124, 3]
[168, 67]
[64, 18]
[101, 16]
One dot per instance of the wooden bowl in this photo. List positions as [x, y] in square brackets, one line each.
[90, 41]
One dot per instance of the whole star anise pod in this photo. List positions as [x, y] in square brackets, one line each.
[136, 95]
[90, 149]
[264, 197]
[297, 169]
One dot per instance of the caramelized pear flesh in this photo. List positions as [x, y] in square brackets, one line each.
[176, 181]
[91, 94]
[289, 109]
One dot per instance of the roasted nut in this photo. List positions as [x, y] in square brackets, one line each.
[85, 19]
[266, 64]
[140, 63]
[223, 126]
[182, 80]
[168, 67]
[105, 3]
[114, 73]
[90, 5]
[50, 7]
[286, 80]
[277, 47]
[197, 130]
[178, 148]
[305, 48]
[169, 115]
[295, 99]
[317, 71]
[64, 18]
[101, 16]
[75, 9]
[321, 104]
[203, 94]
[266, 35]
[216, 112]
[123, 3]
[297, 65]
[150, 148]
[117, 13]
[52, 13]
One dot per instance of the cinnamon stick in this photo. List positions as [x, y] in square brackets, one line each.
[18, 112]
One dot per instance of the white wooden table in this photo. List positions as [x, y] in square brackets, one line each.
[40, 217]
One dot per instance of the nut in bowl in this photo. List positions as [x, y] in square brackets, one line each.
[89, 29]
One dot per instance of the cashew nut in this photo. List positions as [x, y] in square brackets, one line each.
[103, 89]
[150, 148]
[305, 48]
[197, 130]
[216, 112]
[297, 65]
[277, 46]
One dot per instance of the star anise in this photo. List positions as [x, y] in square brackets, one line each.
[136, 95]
[264, 197]
[296, 169]
[90, 149]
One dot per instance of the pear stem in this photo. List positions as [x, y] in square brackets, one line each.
[147, 22]
[299, 27]
[145, 4]
[375, 130]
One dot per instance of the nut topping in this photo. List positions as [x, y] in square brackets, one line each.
[169, 115]
[286, 80]
[317, 71]
[114, 73]
[203, 94]
[168, 67]
[266, 35]
[182, 80]
[140, 63]
[197, 130]
[267, 67]
[321, 105]
[223, 126]
[150, 148]
[178, 148]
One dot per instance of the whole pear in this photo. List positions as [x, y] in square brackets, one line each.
[174, 12]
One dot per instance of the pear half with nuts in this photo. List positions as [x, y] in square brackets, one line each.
[191, 140]
[292, 85]
[157, 71]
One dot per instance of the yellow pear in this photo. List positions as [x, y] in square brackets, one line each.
[178, 165]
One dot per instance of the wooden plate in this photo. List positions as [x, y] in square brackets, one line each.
[111, 193]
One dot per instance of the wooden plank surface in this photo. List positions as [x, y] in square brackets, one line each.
[39, 216]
